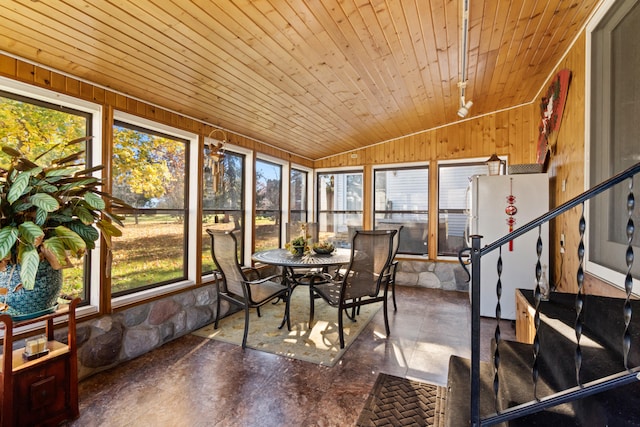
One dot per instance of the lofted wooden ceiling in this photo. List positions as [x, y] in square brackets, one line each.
[313, 77]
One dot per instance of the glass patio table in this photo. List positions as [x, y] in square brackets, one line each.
[316, 265]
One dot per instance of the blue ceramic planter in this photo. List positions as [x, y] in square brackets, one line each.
[43, 299]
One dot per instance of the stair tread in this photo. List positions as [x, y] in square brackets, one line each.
[601, 357]
[611, 407]
[618, 407]
[513, 391]
[602, 318]
[459, 389]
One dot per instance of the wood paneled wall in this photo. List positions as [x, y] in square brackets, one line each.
[512, 132]
[566, 170]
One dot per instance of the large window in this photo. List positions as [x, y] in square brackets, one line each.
[339, 206]
[36, 128]
[614, 136]
[298, 204]
[401, 198]
[222, 201]
[268, 178]
[149, 172]
[453, 204]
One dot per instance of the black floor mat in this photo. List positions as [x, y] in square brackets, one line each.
[395, 401]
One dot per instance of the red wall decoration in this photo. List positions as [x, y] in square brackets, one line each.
[551, 109]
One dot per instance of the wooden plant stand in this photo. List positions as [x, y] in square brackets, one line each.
[42, 391]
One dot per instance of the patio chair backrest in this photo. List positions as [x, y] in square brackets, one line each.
[396, 237]
[224, 251]
[371, 253]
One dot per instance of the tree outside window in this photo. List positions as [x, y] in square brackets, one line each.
[148, 172]
[36, 128]
[268, 205]
[224, 209]
[298, 196]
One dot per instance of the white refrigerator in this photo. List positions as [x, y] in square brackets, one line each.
[500, 203]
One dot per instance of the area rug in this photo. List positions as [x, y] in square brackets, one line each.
[320, 345]
[396, 401]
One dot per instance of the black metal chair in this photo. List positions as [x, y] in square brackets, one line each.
[234, 286]
[366, 280]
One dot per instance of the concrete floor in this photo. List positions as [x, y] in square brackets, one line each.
[194, 381]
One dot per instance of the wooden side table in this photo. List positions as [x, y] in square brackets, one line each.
[42, 391]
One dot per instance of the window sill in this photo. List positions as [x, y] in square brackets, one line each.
[611, 277]
[148, 294]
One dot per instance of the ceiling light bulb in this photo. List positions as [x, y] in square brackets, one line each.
[464, 110]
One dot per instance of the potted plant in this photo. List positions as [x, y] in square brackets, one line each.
[48, 213]
[298, 246]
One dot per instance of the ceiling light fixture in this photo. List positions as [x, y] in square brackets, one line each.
[495, 164]
[464, 54]
[464, 109]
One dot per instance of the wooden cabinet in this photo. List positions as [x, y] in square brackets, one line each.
[525, 312]
[42, 391]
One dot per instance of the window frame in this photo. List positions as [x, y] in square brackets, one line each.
[142, 211]
[247, 231]
[405, 166]
[192, 205]
[284, 199]
[467, 211]
[96, 111]
[89, 162]
[600, 160]
[338, 170]
[309, 191]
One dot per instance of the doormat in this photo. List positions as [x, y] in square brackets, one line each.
[396, 401]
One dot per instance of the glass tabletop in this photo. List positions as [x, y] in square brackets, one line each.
[285, 258]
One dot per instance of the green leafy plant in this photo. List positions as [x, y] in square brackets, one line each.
[51, 212]
[296, 243]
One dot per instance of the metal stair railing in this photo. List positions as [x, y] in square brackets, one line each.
[581, 390]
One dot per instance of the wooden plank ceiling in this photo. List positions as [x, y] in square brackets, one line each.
[313, 77]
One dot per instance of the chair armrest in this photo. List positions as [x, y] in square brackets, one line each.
[251, 272]
[392, 267]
